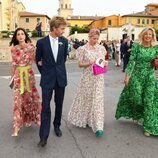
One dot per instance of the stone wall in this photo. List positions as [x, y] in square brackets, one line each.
[5, 54]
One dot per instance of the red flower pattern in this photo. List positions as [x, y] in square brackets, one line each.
[27, 105]
[18, 53]
[31, 72]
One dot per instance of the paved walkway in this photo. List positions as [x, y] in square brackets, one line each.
[122, 139]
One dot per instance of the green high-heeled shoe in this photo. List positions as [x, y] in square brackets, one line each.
[99, 133]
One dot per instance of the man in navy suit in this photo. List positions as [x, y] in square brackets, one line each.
[51, 56]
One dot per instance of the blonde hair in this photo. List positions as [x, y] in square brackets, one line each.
[141, 35]
[56, 21]
[93, 32]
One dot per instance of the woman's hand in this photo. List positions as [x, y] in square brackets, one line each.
[105, 63]
[87, 63]
[13, 68]
[91, 61]
[40, 63]
[126, 80]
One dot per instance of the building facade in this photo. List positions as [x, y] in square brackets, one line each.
[81, 21]
[121, 32]
[9, 14]
[13, 15]
[148, 17]
[65, 8]
[118, 27]
[29, 21]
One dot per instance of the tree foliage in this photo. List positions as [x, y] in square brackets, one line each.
[78, 29]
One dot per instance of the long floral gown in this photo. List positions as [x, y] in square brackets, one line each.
[139, 99]
[27, 106]
[88, 105]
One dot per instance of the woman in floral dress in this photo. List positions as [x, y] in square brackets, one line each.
[88, 105]
[27, 106]
[139, 98]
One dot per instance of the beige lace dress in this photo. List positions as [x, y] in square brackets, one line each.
[88, 105]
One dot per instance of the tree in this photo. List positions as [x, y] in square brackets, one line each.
[79, 29]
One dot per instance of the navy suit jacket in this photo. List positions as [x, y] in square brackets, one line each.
[52, 72]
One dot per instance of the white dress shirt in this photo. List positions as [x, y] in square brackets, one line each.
[54, 46]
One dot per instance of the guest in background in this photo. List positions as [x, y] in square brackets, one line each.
[117, 54]
[39, 29]
[127, 51]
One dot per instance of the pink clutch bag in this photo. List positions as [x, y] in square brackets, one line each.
[98, 70]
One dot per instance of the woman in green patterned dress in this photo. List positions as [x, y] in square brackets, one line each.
[139, 98]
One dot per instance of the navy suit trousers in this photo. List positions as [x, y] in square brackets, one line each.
[46, 109]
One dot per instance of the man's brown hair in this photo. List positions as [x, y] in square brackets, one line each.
[56, 21]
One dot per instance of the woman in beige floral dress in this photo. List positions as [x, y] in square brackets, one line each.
[27, 106]
[88, 105]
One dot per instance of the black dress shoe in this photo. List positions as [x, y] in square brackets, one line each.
[42, 143]
[57, 131]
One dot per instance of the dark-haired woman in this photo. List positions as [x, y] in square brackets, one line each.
[27, 106]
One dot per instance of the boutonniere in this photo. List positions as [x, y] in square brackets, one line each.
[60, 43]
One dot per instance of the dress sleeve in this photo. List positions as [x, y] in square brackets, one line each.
[80, 53]
[132, 59]
[32, 51]
[14, 57]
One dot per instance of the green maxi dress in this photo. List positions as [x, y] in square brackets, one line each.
[139, 99]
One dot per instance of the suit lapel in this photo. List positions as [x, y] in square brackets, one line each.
[60, 43]
[49, 49]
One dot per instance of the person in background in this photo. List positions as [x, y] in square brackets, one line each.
[51, 55]
[139, 98]
[39, 29]
[104, 43]
[27, 105]
[122, 48]
[88, 105]
[113, 46]
[117, 54]
[127, 51]
[109, 50]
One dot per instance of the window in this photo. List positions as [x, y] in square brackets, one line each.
[147, 21]
[27, 20]
[152, 21]
[143, 21]
[109, 22]
[138, 21]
